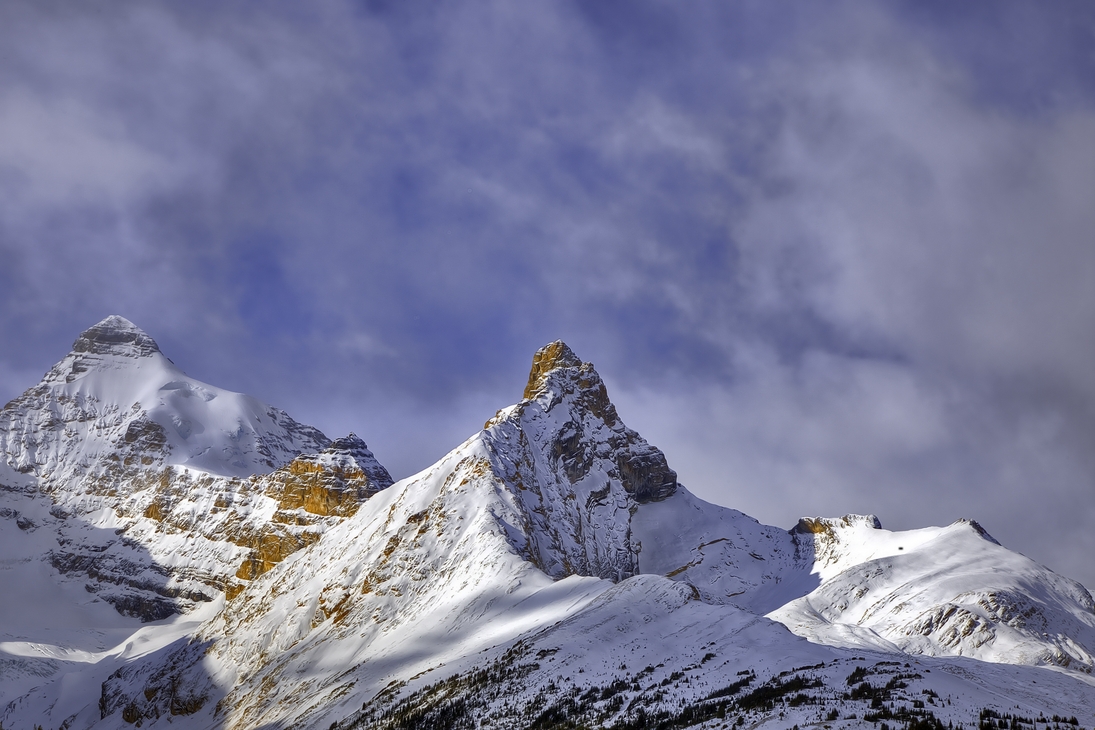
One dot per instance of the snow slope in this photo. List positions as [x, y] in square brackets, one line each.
[116, 395]
[940, 591]
[163, 490]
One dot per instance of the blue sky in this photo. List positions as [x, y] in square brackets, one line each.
[830, 257]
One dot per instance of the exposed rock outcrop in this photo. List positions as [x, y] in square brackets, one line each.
[578, 470]
[115, 336]
[333, 482]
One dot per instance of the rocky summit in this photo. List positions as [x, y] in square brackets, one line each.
[193, 558]
[115, 336]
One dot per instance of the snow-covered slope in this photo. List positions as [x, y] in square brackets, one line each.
[116, 401]
[127, 487]
[940, 591]
[646, 654]
[213, 485]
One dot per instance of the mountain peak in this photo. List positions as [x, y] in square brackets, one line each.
[976, 527]
[550, 357]
[115, 335]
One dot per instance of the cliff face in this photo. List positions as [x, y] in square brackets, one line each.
[253, 524]
[598, 500]
[578, 472]
[332, 483]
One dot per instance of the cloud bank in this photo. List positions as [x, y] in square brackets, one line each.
[829, 258]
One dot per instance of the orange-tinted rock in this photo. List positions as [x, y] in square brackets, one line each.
[548, 358]
[332, 483]
[270, 548]
[322, 490]
[154, 512]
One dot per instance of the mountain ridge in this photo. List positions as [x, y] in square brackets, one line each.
[549, 570]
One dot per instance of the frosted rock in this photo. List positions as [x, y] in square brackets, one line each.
[115, 336]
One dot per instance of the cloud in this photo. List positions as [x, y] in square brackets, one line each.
[947, 227]
[60, 154]
[829, 257]
[842, 435]
[941, 244]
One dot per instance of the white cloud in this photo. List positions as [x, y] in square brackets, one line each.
[956, 231]
[60, 152]
[945, 241]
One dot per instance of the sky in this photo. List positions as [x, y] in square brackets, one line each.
[830, 257]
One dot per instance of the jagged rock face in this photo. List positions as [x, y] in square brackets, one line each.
[548, 358]
[114, 336]
[313, 492]
[120, 574]
[333, 482]
[579, 472]
[170, 690]
[601, 501]
[818, 540]
[244, 527]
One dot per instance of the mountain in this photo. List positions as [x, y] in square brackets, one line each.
[127, 487]
[551, 572]
[115, 418]
[554, 529]
[116, 402]
[939, 591]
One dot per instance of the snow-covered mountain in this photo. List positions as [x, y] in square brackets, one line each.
[551, 572]
[128, 487]
[939, 591]
[214, 486]
[116, 402]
